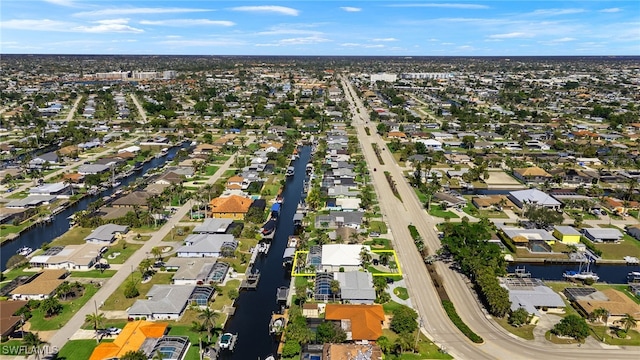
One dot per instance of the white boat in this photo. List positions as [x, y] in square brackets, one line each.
[115, 184]
[290, 171]
[581, 275]
[633, 277]
[227, 341]
[277, 324]
[24, 251]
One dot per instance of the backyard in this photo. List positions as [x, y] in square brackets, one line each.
[117, 300]
[69, 307]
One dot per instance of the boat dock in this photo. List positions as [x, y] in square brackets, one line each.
[250, 282]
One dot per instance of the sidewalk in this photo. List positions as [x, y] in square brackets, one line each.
[394, 297]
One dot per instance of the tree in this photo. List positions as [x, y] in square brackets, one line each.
[365, 257]
[384, 258]
[96, 320]
[51, 306]
[144, 267]
[33, 343]
[385, 344]
[201, 107]
[330, 332]
[468, 141]
[542, 216]
[404, 320]
[519, 317]
[601, 314]
[157, 253]
[208, 318]
[291, 348]
[134, 355]
[572, 325]
[64, 289]
[131, 290]
[334, 285]
[627, 322]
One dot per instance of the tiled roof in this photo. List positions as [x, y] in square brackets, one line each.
[532, 171]
[230, 204]
[366, 320]
[131, 338]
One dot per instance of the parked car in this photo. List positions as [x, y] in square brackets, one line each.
[113, 331]
[102, 266]
[374, 234]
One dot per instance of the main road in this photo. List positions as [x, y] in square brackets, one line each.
[498, 343]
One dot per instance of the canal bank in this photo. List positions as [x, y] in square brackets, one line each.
[611, 274]
[254, 307]
[38, 235]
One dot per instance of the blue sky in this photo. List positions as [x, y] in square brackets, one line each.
[304, 27]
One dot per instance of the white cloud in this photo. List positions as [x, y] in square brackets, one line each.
[611, 10]
[188, 22]
[384, 39]
[282, 31]
[307, 40]
[558, 41]
[350, 9]
[36, 25]
[109, 26]
[555, 12]
[137, 11]
[511, 35]
[283, 10]
[366, 46]
[203, 42]
[443, 5]
[68, 3]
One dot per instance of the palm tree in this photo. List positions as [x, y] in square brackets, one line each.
[365, 257]
[627, 322]
[157, 252]
[64, 289]
[335, 288]
[209, 318]
[158, 355]
[96, 320]
[384, 258]
[33, 343]
[600, 314]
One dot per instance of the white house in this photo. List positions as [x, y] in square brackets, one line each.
[431, 144]
[341, 256]
[207, 245]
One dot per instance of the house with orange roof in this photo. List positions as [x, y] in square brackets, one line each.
[146, 336]
[271, 146]
[360, 322]
[397, 135]
[236, 183]
[75, 178]
[230, 207]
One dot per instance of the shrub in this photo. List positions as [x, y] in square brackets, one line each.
[457, 321]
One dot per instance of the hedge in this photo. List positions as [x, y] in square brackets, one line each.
[457, 321]
[590, 245]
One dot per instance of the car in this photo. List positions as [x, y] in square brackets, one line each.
[102, 266]
[113, 331]
[374, 234]
[225, 340]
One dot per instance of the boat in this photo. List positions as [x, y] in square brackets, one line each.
[293, 241]
[270, 357]
[164, 151]
[290, 171]
[24, 251]
[263, 248]
[115, 184]
[268, 228]
[521, 272]
[580, 274]
[633, 277]
[227, 341]
[309, 168]
[277, 323]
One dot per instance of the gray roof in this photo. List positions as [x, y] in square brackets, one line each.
[567, 230]
[206, 243]
[213, 226]
[530, 234]
[163, 299]
[92, 168]
[194, 269]
[356, 285]
[347, 217]
[603, 233]
[30, 201]
[531, 294]
[106, 232]
[534, 196]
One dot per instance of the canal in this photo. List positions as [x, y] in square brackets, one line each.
[612, 274]
[254, 308]
[38, 235]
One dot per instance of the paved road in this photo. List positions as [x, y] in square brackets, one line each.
[74, 108]
[141, 111]
[499, 344]
[111, 284]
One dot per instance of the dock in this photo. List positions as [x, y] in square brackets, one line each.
[282, 294]
[250, 282]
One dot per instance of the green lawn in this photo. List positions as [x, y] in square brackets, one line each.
[427, 349]
[556, 340]
[623, 288]
[222, 299]
[12, 348]
[627, 247]
[77, 349]
[75, 236]
[174, 234]
[117, 301]
[473, 211]
[421, 196]
[390, 307]
[401, 293]
[93, 274]
[125, 251]
[228, 173]
[15, 272]
[7, 229]
[525, 332]
[69, 308]
[181, 330]
[210, 170]
[270, 190]
[442, 213]
[378, 226]
[379, 244]
[633, 337]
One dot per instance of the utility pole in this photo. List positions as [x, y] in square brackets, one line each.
[421, 324]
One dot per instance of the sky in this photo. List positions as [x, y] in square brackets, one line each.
[329, 27]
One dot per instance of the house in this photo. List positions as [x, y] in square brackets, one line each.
[207, 245]
[366, 351]
[531, 295]
[431, 144]
[491, 202]
[42, 286]
[170, 178]
[213, 226]
[634, 230]
[9, 321]
[106, 234]
[146, 336]
[602, 234]
[336, 219]
[356, 287]
[91, 169]
[361, 322]
[73, 257]
[529, 197]
[341, 257]
[450, 200]
[231, 207]
[531, 175]
[31, 201]
[133, 199]
[168, 302]
[567, 234]
[612, 300]
[522, 237]
[41, 161]
[236, 183]
[58, 189]
[196, 271]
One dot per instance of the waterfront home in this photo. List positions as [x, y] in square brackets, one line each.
[341, 257]
[146, 336]
[208, 245]
[42, 286]
[364, 351]
[566, 234]
[168, 302]
[602, 234]
[196, 271]
[73, 257]
[615, 302]
[106, 234]
[491, 202]
[360, 322]
[531, 175]
[91, 169]
[356, 287]
[533, 197]
[9, 321]
[133, 199]
[336, 219]
[522, 237]
[30, 201]
[450, 200]
[170, 178]
[213, 226]
[231, 207]
[58, 189]
[531, 295]
[634, 230]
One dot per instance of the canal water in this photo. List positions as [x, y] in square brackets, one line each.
[612, 274]
[254, 307]
[38, 235]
